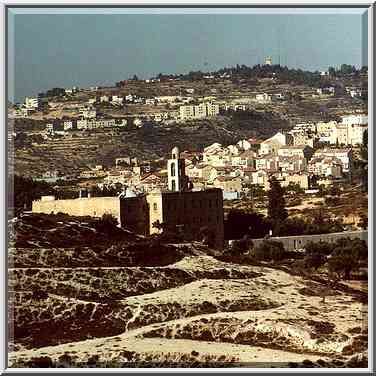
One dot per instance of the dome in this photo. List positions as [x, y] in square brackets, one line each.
[175, 152]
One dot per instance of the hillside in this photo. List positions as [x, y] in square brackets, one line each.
[150, 142]
[99, 306]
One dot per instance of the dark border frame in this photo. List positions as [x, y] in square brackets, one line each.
[371, 7]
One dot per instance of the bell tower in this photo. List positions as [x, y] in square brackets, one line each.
[177, 180]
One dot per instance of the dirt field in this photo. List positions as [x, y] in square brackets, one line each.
[196, 312]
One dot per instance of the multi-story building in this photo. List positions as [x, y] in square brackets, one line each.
[293, 164]
[302, 151]
[325, 166]
[228, 183]
[266, 162]
[187, 112]
[201, 171]
[116, 100]
[272, 144]
[300, 179]
[360, 119]
[200, 111]
[302, 138]
[245, 159]
[183, 209]
[263, 98]
[344, 155]
[89, 113]
[32, 103]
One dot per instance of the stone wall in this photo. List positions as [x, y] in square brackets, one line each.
[93, 207]
[297, 242]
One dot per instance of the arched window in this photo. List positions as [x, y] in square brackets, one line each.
[172, 169]
[173, 185]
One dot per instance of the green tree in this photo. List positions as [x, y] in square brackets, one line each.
[364, 156]
[277, 212]
[314, 260]
[346, 256]
[365, 145]
[270, 250]
[321, 247]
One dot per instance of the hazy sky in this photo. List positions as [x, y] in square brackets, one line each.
[63, 50]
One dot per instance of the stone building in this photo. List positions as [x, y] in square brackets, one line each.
[188, 212]
[130, 210]
[179, 208]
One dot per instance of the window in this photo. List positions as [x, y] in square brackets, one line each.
[216, 203]
[210, 203]
[173, 185]
[155, 206]
[172, 169]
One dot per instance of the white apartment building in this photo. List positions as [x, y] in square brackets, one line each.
[116, 100]
[301, 151]
[187, 112]
[49, 128]
[272, 144]
[203, 110]
[199, 171]
[360, 119]
[245, 159]
[307, 127]
[344, 155]
[325, 166]
[212, 109]
[233, 149]
[32, 103]
[137, 122]
[67, 125]
[302, 138]
[263, 98]
[82, 124]
[150, 101]
[89, 113]
[244, 144]
[267, 162]
[292, 164]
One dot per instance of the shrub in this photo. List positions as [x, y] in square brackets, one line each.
[270, 250]
[107, 224]
[314, 260]
[239, 247]
[319, 248]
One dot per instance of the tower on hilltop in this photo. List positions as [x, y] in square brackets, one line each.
[268, 60]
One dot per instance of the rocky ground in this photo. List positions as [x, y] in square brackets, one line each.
[189, 310]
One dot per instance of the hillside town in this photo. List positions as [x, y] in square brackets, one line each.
[166, 220]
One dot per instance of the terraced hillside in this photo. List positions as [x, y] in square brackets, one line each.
[69, 154]
[188, 309]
